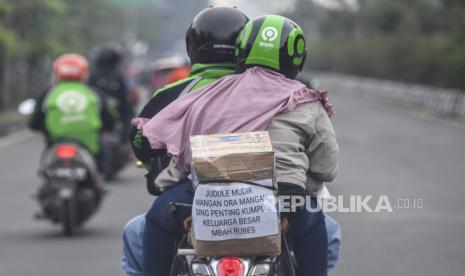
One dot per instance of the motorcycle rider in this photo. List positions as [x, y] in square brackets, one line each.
[70, 110]
[210, 47]
[107, 78]
[210, 43]
[303, 138]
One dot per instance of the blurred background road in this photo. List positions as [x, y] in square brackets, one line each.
[385, 150]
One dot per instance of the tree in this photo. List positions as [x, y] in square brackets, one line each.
[415, 41]
[34, 32]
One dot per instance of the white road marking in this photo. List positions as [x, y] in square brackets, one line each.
[16, 137]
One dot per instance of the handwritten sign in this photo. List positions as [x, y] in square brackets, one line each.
[234, 211]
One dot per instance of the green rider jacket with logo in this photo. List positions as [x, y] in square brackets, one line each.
[72, 112]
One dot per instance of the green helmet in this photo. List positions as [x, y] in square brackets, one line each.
[273, 42]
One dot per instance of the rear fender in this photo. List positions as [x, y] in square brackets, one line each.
[83, 158]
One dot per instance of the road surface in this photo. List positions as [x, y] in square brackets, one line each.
[407, 156]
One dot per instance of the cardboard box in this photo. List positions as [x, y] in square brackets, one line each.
[242, 156]
[223, 162]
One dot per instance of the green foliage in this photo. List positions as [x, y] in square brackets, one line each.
[7, 38]
[415, 41]
[47, 27]
[34, 32]
[7, 42]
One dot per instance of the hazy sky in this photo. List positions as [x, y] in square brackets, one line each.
[259, 7]
[256, 7]
[335, 3]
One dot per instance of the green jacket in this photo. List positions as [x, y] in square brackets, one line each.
[72, 112]
[203, 73]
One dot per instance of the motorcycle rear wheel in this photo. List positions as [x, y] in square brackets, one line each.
[69, 216]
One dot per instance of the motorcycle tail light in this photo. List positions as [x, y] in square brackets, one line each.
[230, 266]
[66, 151]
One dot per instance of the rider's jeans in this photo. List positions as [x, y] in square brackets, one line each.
[162, 229]
[307, 232]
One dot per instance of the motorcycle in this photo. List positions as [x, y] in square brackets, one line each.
[69, 195]
[117, 151]
[115, 145]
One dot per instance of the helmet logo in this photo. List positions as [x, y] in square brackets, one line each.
[71, 102]
[269, 34]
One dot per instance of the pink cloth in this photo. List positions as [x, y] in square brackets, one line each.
[235, 103]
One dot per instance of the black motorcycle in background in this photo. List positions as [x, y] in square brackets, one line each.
[68, 195]
[115, 144]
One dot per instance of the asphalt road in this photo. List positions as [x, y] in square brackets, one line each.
[408, 156]
[28, 247]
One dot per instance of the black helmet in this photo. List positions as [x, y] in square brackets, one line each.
[212, 35]
[273, 42]
[108, 56]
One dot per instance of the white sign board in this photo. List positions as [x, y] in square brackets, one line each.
[234, 211]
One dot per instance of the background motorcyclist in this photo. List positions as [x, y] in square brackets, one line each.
[107, 77]
[71, 110]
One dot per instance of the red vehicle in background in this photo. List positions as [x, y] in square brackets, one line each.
[168, 70]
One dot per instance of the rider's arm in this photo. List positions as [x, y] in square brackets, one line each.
[322, 150]
[169, 177]
[37, 120]
[155, 161]
[108, 119]
[139, 143]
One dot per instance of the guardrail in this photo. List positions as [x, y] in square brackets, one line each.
[440, 101]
